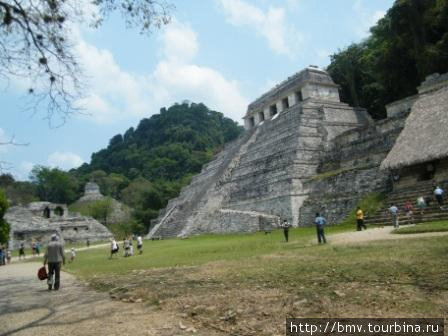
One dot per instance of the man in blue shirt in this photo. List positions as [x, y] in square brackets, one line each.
[320, 222]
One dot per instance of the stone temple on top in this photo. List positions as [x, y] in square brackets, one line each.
[263, 176]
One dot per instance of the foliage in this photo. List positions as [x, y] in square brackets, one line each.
[54, 185]
[4, 226]
[36, 38]
[101, 210]
[440, 226]
[408, 44]
[370, 204]
[18, 192]
[148, 165]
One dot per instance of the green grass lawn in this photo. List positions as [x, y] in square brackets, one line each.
[440, 226]
[196, 250]
[264, 279]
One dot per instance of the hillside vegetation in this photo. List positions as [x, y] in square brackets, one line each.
[408, 44]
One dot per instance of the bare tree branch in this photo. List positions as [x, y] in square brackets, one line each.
[36, 46]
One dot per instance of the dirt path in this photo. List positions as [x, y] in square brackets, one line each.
[28, 308]
[384, 233]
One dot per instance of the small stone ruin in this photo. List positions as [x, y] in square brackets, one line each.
[39, 220]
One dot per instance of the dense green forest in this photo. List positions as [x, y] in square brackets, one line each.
[143, 168]
[408, 44]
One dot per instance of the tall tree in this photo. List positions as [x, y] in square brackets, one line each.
[408, 44]
[54, 185]
[4, 226]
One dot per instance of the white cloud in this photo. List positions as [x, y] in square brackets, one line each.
[175, 78]
[323, 57]
[365, 18]
[64, 160]
[22, 171]
[282, 37]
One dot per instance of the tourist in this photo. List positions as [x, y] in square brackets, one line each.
[131, 247]
[72, 254]
[88, 243]
[37, 247]
[320, 222]
[113, 247]
[393, 210]
[126, 246]
[33, 248]
[22, 251]
[438, 192]
[3, 258]
[8, 256]
[421, 204]
[286, 227]
[409, 210]
[360, 219]
[54, 256]
[139, 244]
[1, 255]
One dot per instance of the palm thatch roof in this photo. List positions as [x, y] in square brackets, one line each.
[425, 134]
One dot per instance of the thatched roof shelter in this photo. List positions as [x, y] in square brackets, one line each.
[425, 134]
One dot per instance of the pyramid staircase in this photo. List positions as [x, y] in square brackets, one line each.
[399, 197]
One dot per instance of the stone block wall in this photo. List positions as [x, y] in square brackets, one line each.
[349, 169]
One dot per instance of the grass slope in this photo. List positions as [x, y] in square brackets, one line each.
[440, 226]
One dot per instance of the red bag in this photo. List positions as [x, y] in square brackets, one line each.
[42, 273]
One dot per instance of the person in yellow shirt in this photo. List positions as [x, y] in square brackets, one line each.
[360, 219]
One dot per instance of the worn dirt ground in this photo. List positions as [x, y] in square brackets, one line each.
[28, 308]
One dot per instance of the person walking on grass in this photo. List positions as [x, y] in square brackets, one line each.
[54, 256]
[438, 193]
[360, 219]
[72, 254]
[139, 244]
[126, 247]
[8, 256]
[113, 247]
[393, 210]
[22, 251]
[320, 222]
[286, 227]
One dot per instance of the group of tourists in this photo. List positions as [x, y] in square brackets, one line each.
[128, 246]
[5, 255]
[35, 248]
[422, 203]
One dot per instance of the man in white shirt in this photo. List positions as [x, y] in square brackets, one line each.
[438, 192]
[139, 244]
[113, 247]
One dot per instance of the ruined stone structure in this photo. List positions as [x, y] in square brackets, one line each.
[265, 174]
[92, 193]
[39, 220]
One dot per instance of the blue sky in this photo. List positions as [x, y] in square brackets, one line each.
[224, 53]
